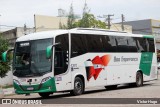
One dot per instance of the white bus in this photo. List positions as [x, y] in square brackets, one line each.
[76, 59]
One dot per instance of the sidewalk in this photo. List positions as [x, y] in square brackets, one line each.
[9, 91]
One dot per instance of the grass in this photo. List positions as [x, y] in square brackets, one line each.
[7, 86]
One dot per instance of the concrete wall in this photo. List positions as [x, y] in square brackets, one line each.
[44, 23]
[140, 26]
[118, 27]
[8, 80]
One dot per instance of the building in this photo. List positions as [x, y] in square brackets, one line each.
[44, 23]
[148, 27]
[118, 27]
[13, 34]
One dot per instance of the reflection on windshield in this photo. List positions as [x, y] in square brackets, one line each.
[30, 58]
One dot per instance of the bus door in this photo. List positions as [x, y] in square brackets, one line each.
[61, 60]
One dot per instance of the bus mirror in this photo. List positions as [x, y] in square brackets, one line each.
[4, 55]
[49, 51]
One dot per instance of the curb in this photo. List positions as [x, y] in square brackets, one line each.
[8, 91]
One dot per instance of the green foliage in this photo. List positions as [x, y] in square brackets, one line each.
[89, 21]
[4, 67]
[71, 18]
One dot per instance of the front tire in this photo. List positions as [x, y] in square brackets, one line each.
[78, 87]
[44, 95]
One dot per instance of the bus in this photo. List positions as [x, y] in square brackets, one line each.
[81, 58]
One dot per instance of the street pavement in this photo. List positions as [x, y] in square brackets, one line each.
[149, 90]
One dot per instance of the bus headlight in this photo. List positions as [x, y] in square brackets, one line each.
[17, 82]
[45, 79]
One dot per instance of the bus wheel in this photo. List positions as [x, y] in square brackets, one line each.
[112, 87]
[78, 87]
[44, 95]
[139, 79]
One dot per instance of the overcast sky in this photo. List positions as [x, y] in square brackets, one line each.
[19, 12]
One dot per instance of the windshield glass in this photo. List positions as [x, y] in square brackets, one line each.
[30, 58]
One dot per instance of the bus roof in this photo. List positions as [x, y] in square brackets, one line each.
[94, 31]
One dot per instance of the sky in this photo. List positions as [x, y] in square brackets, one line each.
[20, 12]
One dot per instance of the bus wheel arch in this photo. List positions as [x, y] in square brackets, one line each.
[79, 81]
[139, 78]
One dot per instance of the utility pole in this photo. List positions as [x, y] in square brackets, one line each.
[123, 19]
[109, 20]
[25, 29]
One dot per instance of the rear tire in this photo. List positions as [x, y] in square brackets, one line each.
[78, 87]
[139, 79]
[44, 95]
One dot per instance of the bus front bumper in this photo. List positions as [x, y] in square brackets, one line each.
[48, 86]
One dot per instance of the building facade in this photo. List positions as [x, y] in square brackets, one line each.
[148, 27]
[118, 27]
[13, 34]
[44, 23]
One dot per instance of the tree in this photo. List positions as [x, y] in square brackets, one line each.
[71, 18]
[4, 66]
[88, 20]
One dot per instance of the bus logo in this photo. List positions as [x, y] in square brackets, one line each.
[95, 66]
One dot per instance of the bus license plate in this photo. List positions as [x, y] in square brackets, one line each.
[30, 88]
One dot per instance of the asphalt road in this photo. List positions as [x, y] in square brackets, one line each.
[149, 90]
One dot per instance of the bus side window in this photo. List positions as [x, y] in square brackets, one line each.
[151, 46]
[94, 43]
[141, 44]
[122, 44]
[112, 43]
[107, 47]
[78, 45]
[132, 44]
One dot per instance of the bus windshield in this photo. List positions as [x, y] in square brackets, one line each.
[30, 58]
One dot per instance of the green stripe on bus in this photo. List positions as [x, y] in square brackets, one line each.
[146, 62]
[148, 36]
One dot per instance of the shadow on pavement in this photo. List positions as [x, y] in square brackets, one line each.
[125, 86]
